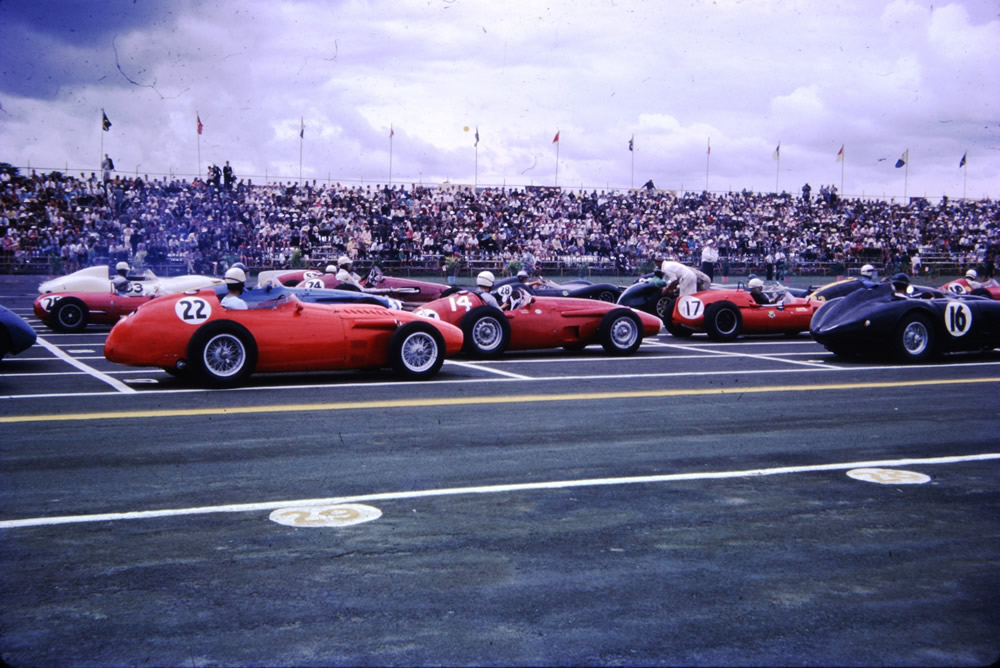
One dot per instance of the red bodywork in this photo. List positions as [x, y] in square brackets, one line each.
[98, 307]
[710, 311]
[544, 322]
[961, 286]
[289, 336]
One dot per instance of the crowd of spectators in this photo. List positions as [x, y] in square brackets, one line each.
[62, 223]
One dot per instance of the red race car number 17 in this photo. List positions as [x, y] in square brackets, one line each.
[192, 310]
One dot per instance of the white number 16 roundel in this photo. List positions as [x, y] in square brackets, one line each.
[957, 318]
[690, 307]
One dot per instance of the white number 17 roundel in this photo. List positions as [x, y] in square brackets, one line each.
[193, 310]
[690, 307]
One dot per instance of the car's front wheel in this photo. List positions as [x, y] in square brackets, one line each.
[416, 351]
[914, 339]
[69, 315]
[620, 332]
[222, 354]
[487, 332]
[723, 321]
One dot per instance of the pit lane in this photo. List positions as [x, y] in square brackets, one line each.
[491, 547]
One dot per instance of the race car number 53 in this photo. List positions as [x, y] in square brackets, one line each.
[193, 310]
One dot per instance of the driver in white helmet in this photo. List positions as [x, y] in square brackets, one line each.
[484, 283]
[867, 277]
[757, 291]
[344, 273]
[236, 279]
[972, 278]
[122, 269]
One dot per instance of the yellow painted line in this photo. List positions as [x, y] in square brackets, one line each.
[472, 401]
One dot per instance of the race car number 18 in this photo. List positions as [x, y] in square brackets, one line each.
[192, 310]
[958, 318]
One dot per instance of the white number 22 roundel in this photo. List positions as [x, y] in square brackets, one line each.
[957, 318]
[193, 310]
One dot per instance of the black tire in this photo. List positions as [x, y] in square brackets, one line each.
[620, 332]
[221, 354]
[487, 332]
[663, 308]
[723, 321]
[607, 296]
[69, 315]
[416, 351]
[913, 340]
[680, 331]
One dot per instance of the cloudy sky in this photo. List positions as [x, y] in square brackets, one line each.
[876, 77]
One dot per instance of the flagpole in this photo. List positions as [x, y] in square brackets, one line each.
[906, 176]
[100, 163]
[557, 160]
[777, 167]
[391, 133]
[965, 182]
[843, 159]
[198, 134]
[708, 158]
[631, 149]
[302, 132]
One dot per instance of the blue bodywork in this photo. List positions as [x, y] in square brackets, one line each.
[16, 335]
[274, 292]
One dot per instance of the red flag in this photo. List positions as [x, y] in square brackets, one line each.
[392, 132]
[200, 126]
[840, 154]
[555, 139]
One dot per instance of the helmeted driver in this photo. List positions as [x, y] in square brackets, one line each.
[484, 283]
[757, 291]
[345, 273]
[236, 279]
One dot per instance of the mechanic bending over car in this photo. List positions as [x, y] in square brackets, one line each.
[236, 279]
[484, 283]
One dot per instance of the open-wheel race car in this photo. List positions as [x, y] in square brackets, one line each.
[148, 284]
[580, 289]
[528, 322]
[192, 336]
[910, 326]
[962, 286]
[727, 314]
[410, 292]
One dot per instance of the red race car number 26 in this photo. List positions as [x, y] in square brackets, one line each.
[193, 310]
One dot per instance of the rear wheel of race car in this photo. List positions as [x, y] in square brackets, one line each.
[914, 338]
[620, 332]
[222, 354]
[607, 296]
[665, 310]
[487, 332]
[723, 321]
[416, 351]
[680, 331]
[69, 315]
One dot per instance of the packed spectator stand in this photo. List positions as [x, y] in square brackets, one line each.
[54, 224]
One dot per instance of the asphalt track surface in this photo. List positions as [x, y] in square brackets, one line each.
[689, 505]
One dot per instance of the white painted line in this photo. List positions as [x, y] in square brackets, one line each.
[478, 367]
[488, 489]
[117, 384]
[914, 368]
[774, 357]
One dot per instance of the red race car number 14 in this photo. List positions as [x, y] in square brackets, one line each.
[192, 310]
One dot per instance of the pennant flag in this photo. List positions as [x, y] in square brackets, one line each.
[709, 150]
[840, 154]
[477, 135]
[630, 141]
[903, 159]
[777, 151]
[105, 123]
[302, 127]
[964, 156]
[392, 132]
[555, 140]
[200, 125]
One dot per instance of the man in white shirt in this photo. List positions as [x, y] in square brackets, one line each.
[345, 275]
[236, 278]
[678, 276]
[709, 256]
